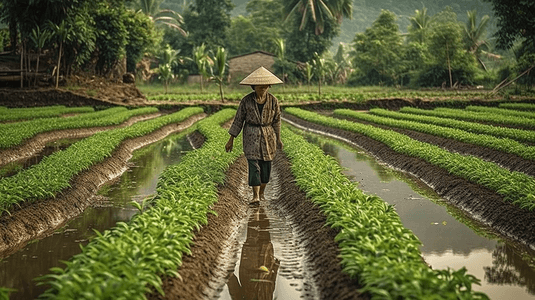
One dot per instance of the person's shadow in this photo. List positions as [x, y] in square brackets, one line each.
[258, 265]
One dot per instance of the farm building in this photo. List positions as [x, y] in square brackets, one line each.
[242, 65]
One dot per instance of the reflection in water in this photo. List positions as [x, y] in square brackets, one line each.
[449, 238]
[510, 268]
[15, 167]
[258, 265]
[19, 270]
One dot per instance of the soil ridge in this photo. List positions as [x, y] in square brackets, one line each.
[39, 219]
[318, 240]
[477, 201]
[509, 161]
[37, 143]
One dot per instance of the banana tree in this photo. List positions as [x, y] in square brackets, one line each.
[203, 61]
[319, 69]
[39, 39]
[62, 33]
[220, 62]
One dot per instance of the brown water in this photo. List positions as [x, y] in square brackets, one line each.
[15, 167]
[19, 270]
[449, 238]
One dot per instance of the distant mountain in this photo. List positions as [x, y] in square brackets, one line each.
[367, 11]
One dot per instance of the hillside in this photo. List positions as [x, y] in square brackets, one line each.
[366, 11]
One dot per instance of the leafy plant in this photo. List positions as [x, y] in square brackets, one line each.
[128, 260]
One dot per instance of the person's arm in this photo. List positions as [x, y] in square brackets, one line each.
[236, 126]
[277, 124]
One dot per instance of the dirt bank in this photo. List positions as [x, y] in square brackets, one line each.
[34, 145]
[509, 161]
[479, 202]
[38, 219]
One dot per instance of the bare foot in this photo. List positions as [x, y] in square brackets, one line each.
[254, 201]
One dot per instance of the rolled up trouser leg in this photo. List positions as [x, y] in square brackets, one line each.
[259, 171]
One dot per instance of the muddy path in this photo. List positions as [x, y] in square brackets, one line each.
[507, 160]
[35, 220]
[36, 144]
[308, 258]
[479, 202]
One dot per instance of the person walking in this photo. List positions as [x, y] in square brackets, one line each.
[259, 116]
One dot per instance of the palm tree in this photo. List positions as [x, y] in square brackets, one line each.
[203, 61]
[62, 32]
[319, 69]
[419, 26]
[167, 17]
[39, 39]
[168, 59]
[280, 53]
[319, 11]
[220, 61]
[473, 35]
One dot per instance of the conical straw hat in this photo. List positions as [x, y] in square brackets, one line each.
[261, 76]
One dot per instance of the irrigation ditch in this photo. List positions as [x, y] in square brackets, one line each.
[36, 220]
[479, 202]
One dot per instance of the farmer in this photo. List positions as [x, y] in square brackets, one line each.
[260, 112]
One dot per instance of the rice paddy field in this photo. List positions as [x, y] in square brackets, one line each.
[367, 200]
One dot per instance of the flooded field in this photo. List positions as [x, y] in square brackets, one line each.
[449, 238]
[19, 270]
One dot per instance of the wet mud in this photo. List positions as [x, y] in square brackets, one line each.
[507, 160]
[313, 258]
[36, 144]
[479, 202]
[40, 218]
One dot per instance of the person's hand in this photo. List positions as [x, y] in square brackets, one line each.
[280, 145]
[230, 144]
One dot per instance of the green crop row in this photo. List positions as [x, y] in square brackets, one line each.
[501, 111]
[472, 116]
[515, 187]
[512, 133]
[518, 106]
[501, 144]
[42, 112]
[374, 245]
[126, 262]
[15, 133]
[295, 97]
[54, 172]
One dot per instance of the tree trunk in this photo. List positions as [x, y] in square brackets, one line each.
[59, 64]
[449, 66]
[201, 82]
[13, 36]
[37, 66]
[319, 87]
[21, 65]
[221, 91]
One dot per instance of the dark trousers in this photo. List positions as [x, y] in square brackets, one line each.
[259, 171]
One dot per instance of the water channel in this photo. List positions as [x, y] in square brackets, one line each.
[19, 269]
[449, 238]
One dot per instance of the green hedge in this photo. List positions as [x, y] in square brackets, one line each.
[473, 116]
[374, 246]
[54, 172]
[512, 133]
[518, 106]
[41, 112]
[515, 187]
[127, 261]
[501, 111]
[500, 144]
[15, 133]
